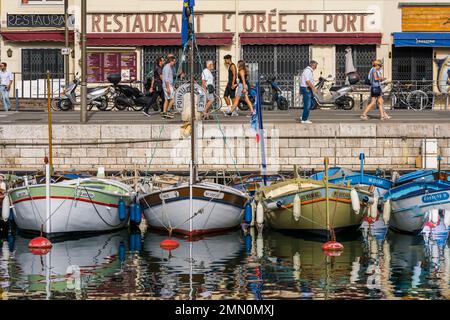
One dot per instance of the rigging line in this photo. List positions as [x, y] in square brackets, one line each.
[98, 213]
[155, 214]
[154, 149]
[228, 148]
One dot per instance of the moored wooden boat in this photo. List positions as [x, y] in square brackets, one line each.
[77, 206]
[216, 208]
[278, 200]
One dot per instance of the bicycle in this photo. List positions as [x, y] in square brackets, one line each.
[416, 99]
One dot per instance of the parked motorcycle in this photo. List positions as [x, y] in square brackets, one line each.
[97, 97]
[276, 98]
[126, 96]
[338, 96]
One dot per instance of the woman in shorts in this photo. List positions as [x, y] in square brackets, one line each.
[376, 91]
[241, 90]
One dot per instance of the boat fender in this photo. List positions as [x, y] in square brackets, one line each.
[296, 261]
[260, 246]
[387, 211]
[6, 208]
[132, 209]
[122, 251]
[260, 213]
[253, 213]
[137, 214]
[374, 208]
[248, 213]
[434, 216]
[356, 205]
[274, 205]
[447, 218]
[297, 212]
[122, 210]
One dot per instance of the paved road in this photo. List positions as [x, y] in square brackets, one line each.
[317, 116]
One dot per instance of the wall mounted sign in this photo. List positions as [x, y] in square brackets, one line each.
[249, 22]
[426, 18]
[101, 64]
[35, 21]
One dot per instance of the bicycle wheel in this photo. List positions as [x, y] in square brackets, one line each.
[217, 104]
[417, 100]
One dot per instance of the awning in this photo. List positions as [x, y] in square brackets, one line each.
[421, 39]
[310, 38]
[34, 36]
[155, 39]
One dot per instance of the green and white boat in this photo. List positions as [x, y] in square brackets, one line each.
[87, 205]
[301, 204]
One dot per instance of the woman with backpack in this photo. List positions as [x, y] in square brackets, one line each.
[242, 90]
[375, 79]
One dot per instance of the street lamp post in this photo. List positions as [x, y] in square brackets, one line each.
[66, 36]
[83, 63]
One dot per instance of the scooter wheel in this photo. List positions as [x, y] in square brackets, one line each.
[282, 104]
[64, 104]
[137, 108]
[103, 104]
[347, 103]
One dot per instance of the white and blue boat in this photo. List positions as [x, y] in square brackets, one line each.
[411, 203]
[419, 175]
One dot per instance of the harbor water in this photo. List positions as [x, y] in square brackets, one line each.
[234, 265]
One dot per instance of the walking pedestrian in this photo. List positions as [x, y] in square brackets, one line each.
[375, 79]
[241, 91]
[307, 89]
[230, 89]
[156, 86]
[208, 85]
[6, 80]
[168, 88]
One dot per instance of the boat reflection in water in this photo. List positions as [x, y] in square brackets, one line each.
[67, 270]
[196, 269]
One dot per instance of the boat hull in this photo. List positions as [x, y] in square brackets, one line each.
[408, 214]
[72, 211]
[217, 210]
[313, 212]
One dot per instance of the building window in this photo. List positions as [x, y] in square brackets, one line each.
[36, 63]
[204, 54]
[363, 55]
[283, 62]
[412, 63]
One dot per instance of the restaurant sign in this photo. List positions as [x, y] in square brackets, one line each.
[35, 21]
[258, 22]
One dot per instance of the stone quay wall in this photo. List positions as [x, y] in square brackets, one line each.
[160, 147]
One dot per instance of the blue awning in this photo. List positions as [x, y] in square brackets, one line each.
[422, 39]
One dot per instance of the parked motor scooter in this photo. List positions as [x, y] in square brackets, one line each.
[338, 96]
[97, 97]
[277, 98]
[126, 96]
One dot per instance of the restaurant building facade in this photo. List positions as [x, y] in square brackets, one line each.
[277, 38]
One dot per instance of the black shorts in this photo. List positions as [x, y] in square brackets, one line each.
[375, 92]
[229, 92]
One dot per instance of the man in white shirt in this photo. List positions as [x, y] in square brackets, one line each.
[307, 89]
[6, 79]
[208, 85]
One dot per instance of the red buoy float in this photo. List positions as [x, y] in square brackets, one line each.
[332, 246]
[40, 246]
[169, 244]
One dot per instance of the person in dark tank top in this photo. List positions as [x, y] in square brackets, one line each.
[232, 81]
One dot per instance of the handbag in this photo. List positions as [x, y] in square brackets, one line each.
[210, 88]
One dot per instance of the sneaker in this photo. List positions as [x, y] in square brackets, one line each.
[146, 113]
[227, 114]
[166, 115]
[235, 114]
[306, 121]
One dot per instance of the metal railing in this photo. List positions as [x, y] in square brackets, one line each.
[34, 85]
